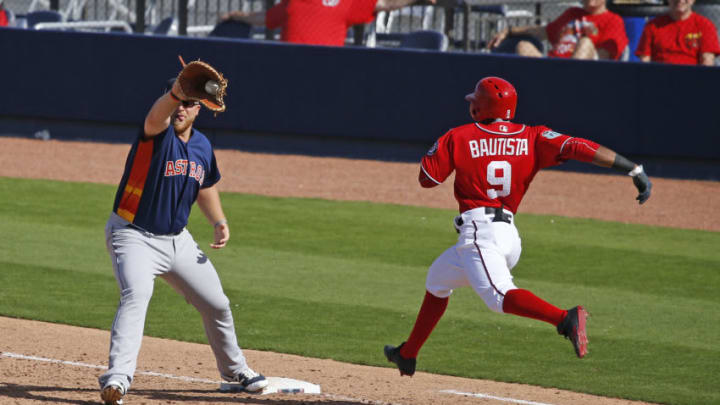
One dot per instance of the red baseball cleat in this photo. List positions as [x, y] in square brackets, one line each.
[573, 328]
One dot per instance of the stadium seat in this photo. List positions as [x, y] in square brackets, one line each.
[164, 27]
[231, 29]
[42, 16]
[487, 19]
[425, 39]
[634, 28]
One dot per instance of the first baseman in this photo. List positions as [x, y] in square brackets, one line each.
[170, 166]
[494, 161]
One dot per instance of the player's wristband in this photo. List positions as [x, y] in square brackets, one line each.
[220, 222]
[622, 163]
[637, 170]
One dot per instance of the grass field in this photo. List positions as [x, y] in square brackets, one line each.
[341, 279]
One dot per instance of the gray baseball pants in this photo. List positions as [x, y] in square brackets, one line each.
[138, 257]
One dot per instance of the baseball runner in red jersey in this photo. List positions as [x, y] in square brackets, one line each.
[494, 161]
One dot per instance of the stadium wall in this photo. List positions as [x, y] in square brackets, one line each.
[82, 80]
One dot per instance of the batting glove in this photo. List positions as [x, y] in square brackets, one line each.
[642, 183]
[458, 223]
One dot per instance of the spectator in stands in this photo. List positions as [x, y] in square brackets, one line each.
[318, 22]
[681, 36]
[591, 32]
[4, 15]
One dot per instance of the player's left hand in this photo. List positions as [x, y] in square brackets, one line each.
[222, 235]
[458, 223]
[198, 81]
[643, 185]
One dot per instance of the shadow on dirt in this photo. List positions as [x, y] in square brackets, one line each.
[84, 396]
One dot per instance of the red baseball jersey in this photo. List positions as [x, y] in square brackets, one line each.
[318, 22]
[606, 30]
[681, 42]
[495, 163]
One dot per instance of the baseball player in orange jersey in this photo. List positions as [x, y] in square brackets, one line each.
[494, 162]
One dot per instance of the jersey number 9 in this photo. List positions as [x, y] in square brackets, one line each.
[504, 180]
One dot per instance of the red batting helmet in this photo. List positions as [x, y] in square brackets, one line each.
[493, 98]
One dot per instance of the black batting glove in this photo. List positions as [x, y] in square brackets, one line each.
[458, 223]
[642, 183]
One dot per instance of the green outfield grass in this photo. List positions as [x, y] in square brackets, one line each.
[339, 280]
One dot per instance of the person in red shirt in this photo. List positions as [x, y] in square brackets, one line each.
[591, 32]
[4, 17]
[494, 161]
[681, 36]
[318, 22]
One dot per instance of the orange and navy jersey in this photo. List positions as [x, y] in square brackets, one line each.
[495, 163]
[162, 178]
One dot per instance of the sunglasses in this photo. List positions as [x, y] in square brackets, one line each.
[189, 103]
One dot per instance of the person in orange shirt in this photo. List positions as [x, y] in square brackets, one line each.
[681, 36]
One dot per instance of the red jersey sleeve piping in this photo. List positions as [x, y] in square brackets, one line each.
[563, 145]
[428, 175]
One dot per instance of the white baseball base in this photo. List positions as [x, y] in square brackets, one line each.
[279, 385]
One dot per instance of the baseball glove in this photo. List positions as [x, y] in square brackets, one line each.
[199, 81]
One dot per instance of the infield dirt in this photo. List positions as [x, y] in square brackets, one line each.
[31, 381]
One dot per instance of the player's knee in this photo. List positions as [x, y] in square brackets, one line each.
[494, 295]
[218, 305]
[440, 293]
[437, 290]
[491, 297]
[140, 295]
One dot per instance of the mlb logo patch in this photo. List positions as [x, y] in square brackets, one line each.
[550, 134]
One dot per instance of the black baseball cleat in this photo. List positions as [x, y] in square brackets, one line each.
[573, 328]
[406, 366]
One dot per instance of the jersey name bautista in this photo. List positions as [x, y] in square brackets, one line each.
[179, 167]
[498, 146]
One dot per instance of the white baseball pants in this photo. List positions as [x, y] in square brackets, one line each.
[482, 258]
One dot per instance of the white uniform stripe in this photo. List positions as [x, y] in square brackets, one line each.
[428, 176]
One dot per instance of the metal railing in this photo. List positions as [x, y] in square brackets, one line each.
[197, 17]
[87, 26]
[468, 24]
